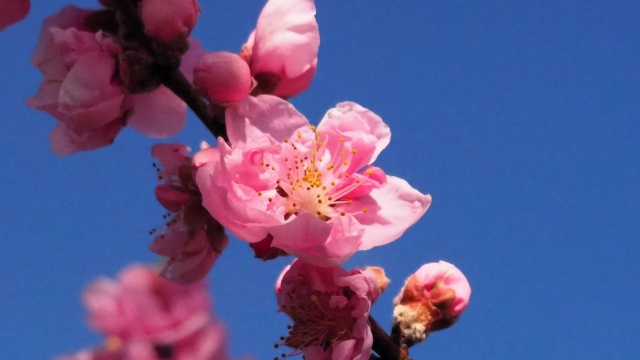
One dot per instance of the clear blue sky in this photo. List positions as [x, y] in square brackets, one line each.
[521, 119]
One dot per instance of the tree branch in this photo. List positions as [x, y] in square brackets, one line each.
[384, 346]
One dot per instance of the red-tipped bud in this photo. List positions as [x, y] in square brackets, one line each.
[223, 77]
[167, 20]
[378, 274]
[432, 299]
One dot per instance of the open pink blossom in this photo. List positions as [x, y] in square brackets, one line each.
[146, 314]
[431, 299]
[193, 240]
[311, 189]
[82, 90]
[330, 310]
[12, 11]
[283, 49]
[145, 317]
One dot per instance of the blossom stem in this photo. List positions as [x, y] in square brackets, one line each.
[212, 117]
[384, 346]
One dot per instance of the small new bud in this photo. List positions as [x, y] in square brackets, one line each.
[223, 77]
[167, 20]
[379, 275]
[432, 299]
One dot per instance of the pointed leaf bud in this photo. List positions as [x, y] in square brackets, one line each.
[432, 299]
[223, 77]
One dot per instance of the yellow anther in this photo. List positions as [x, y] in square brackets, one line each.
[350, 201]
[299, 135]
[354, 151]
[259, 193]
[364, 209]
[341, 153]
[346, 163]
[313, 127]
[286, 140]
[341, 139]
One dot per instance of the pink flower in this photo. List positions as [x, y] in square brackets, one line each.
[283, 49]
[193, 240]
[223, 77]
[431, 299]
[144, 316]
[169, 19]
[311, 189]
[330, 310]
[12, 11]
[83, 91]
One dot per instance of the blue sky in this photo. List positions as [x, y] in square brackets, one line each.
[521, 119]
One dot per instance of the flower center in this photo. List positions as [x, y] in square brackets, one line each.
[311, 177]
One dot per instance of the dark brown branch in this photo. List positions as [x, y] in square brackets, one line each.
[211, 117]
[384, 346]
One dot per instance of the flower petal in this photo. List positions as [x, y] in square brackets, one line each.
[398, 207]
[286, 38]
[158, 114]
[350, 120]
[255, 117]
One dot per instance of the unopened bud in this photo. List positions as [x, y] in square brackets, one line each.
[432, 299]
[223, 77]
[167, 20]
[379, 275]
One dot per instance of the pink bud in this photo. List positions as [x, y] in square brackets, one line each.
[168, 19]
[431, 299]
[223, 77]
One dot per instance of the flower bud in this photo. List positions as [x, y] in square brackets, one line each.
[432, 299]
[168, 19]
[223, 77]
[378, 274]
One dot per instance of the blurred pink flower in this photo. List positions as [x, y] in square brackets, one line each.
[81, 88]
[283, 49]
[147, 317]
[193, 240]
[330, 310]
[431, 299]
[311, 189]
[12, 11]
[169, 19]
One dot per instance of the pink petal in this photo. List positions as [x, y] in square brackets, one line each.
[398, 207]
[286, 39]
[172, 197]
[190, 58]
[318, 242]
[87, 96]
[255, 117]
[353, 121]
[158, 114]
[235, 206]
[65, 140]
[46, 57]
[171, 156]
[12, 11]
[72, 44]
[287, 88]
